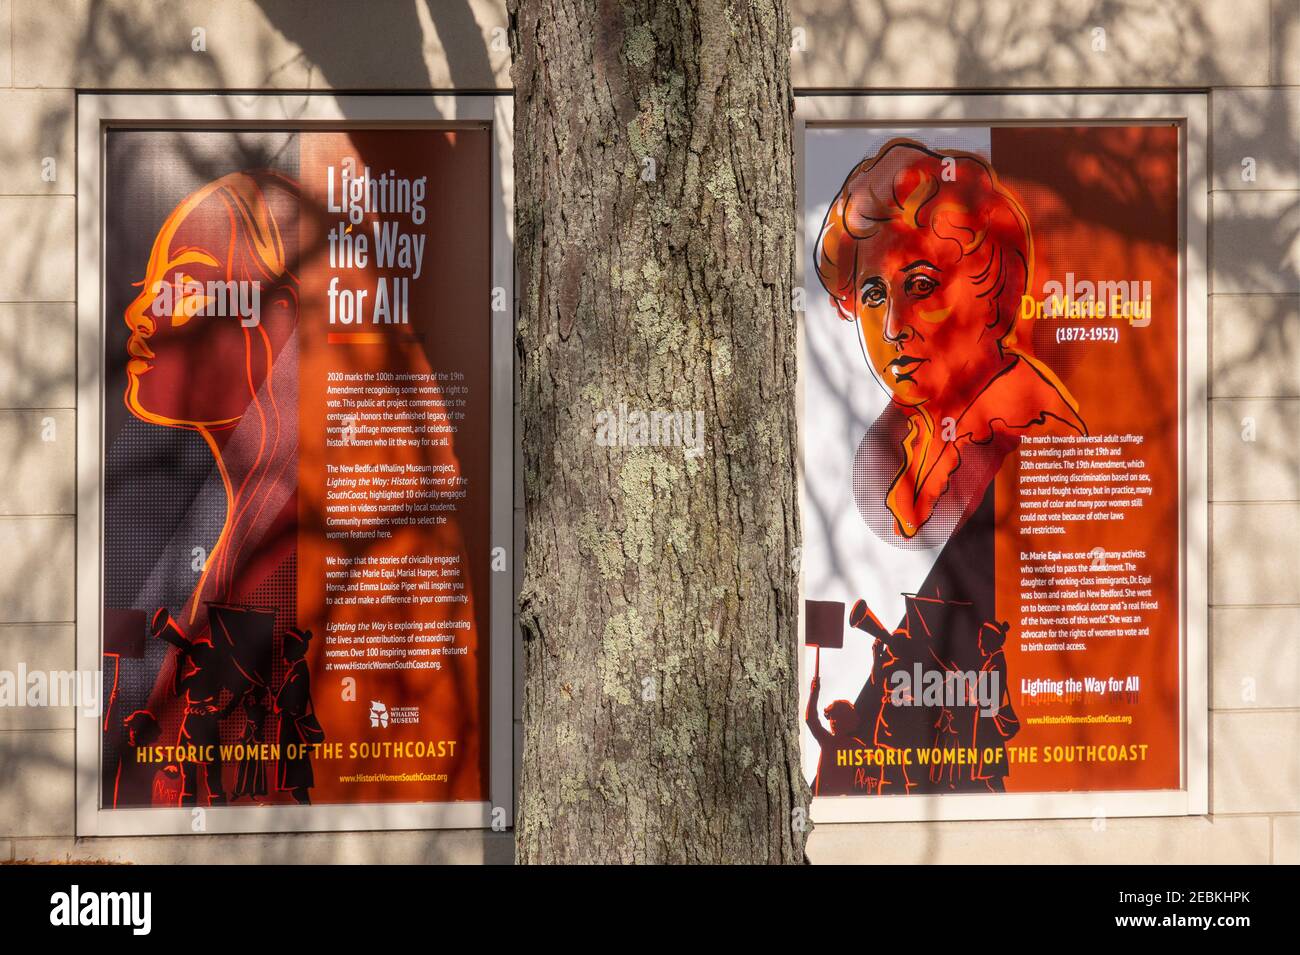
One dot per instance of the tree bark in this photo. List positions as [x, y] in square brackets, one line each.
[655, 229]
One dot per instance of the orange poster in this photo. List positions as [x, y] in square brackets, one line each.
[992, 460]
[297, 467]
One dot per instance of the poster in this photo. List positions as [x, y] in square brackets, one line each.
[992, 483]
[296, 466]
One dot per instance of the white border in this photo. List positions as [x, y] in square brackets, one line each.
[1189, 111]
[97, 112]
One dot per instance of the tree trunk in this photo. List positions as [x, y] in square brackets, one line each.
[655, 240]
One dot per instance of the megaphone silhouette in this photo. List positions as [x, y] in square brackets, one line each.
[165, 628]
[861, 618]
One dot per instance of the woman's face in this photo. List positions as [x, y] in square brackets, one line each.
[924, 327]
[191, 369]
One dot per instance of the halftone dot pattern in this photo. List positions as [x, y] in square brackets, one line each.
[148, 558]
[163, 493]
[279, 592]
[152, 523]
[877, 462]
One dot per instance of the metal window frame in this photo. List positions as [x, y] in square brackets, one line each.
[96, 114]
[1190, 112]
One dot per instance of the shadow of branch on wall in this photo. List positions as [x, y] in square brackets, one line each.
[346, 47]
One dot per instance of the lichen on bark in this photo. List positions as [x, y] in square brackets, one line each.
[655, 241]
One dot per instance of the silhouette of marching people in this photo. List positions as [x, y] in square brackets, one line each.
[251, 780]
[872, 744]
[198, 677]
[238, 662]
[298, 728]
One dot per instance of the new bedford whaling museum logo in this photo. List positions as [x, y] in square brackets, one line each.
[382, 715]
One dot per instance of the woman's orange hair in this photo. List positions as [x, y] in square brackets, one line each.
[261, 206]
[956, 196]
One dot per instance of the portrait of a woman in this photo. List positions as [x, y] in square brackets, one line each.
[928, 255]
[211, 350]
